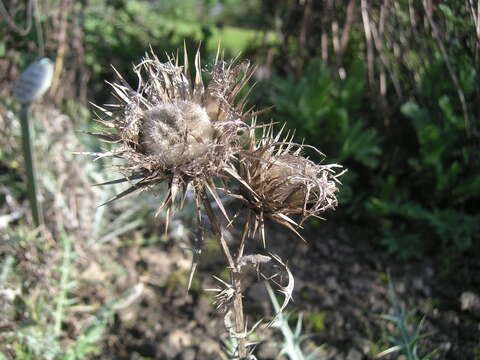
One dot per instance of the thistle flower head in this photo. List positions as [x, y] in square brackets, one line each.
[172, 128]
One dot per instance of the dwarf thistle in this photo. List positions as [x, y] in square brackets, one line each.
[176, 130]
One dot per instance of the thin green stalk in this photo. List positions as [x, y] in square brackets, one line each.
[29, 165]
[292, 340]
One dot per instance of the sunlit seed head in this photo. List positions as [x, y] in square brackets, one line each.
[284, 166]
[277, 181]
[285, 182]
[174, 129]
[289, 176]
[178, 132]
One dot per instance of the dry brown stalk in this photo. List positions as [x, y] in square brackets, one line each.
[346, 32]
[368, 38]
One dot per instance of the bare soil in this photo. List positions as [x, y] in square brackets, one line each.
[341, 287]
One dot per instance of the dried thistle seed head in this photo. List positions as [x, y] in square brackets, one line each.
[290, 184]
[172, 128]
[286, 182]
[278, 181]
[178, 132]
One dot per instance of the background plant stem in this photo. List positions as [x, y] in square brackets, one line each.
[29, 165]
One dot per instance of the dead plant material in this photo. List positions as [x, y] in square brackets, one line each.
[278, 182]
[173, 128]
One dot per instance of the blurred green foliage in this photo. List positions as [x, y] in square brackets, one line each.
[413, 160]
[119, 33]
[40, 316]
[429, 203]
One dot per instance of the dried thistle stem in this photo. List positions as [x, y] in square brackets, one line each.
[238, 310]
[235, 274]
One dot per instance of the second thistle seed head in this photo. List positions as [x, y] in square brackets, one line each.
[278, 181]
[288, 176]
[288, 183]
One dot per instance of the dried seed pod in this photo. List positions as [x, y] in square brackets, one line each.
[179, 132]
[277, 181]
[285, 182]
[172, 128]
[293, 184]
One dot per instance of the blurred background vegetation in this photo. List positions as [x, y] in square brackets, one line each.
[390, 89]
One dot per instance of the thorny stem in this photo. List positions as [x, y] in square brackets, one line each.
[236, 280]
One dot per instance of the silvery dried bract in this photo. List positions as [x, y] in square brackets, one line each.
[173, 128]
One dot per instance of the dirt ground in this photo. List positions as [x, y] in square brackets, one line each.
[341, 288]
